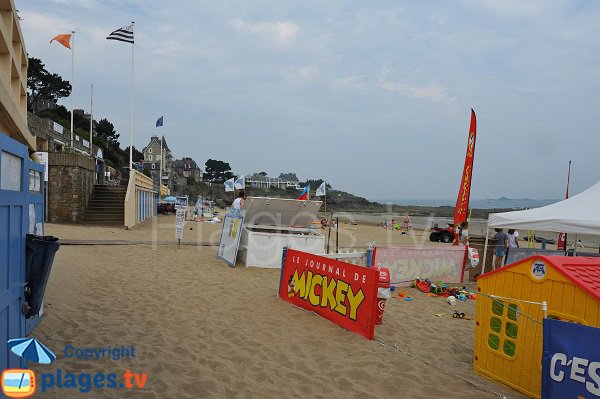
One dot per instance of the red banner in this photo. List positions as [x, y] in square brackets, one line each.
[341, 292]
[464, 191]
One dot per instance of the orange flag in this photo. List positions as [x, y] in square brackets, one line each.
[64, 39]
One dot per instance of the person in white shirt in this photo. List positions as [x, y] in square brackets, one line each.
[238, 203]
[513, 237]
[464, 233]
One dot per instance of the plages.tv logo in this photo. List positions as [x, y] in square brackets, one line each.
[18, 383]
[21, 383]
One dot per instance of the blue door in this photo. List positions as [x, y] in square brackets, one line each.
[18, 176]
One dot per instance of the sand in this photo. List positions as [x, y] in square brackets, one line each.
[204, 330]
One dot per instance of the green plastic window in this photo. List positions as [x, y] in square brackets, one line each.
[512, 311]
[497, 307]
[495, 324]
[511, 330]
[494, 341]
[509, 348]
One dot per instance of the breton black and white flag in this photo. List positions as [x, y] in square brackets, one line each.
[124, 34]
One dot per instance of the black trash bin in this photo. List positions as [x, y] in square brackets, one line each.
[124, 176]
[40, 251]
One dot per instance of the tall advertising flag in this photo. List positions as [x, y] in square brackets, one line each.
[464, 191]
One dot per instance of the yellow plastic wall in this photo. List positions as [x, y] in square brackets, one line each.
[565, 300]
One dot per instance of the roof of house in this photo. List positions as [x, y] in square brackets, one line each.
[156, 140]
[179, 163]
[581, 270]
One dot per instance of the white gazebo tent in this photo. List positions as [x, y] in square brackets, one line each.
[579, 214]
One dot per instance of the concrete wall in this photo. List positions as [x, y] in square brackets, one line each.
[47, 135]
[13, 77]
[70, 186]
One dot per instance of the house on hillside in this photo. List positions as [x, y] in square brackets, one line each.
[154, 156]
[261, 180]
[187, 167]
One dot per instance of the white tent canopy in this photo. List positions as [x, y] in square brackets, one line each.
[579, 214]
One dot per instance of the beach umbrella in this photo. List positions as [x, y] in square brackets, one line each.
[32, 350]
[169, 199]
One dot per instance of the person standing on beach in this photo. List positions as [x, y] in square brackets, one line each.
[513, 237]
[238, 203]
[464, 233]
[406, 222]
[501, 243]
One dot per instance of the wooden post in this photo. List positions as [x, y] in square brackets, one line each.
[337, 234]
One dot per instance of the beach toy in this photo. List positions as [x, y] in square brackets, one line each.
[423, 286]
[451, 300]
[408, 298]
[473, 297]
[462, 297]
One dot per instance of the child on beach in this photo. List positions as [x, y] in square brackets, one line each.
[501, 244]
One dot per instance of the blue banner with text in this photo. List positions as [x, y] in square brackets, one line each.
[570, 361]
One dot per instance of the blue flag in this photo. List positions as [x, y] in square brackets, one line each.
[159, 122]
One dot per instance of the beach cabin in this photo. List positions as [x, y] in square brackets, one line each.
[508, 333]
[273, 223]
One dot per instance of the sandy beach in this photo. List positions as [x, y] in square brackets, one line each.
[202, 329]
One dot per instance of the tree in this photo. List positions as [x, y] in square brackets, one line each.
[263, 174]
[217, 171]
[105, 131]
[43, 85]
[137, 156]
[288, 176]
[314, 183]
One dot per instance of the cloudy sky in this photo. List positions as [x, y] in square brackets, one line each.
[374, 97]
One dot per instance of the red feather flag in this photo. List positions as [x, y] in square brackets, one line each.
[464, 191]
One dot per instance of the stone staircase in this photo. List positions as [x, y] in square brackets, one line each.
[106, 207]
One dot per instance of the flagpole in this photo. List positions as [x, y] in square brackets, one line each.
[131, 108]
[162, 137]
[72, 83]
[91, 115]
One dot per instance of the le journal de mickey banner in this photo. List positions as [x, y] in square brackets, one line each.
[341, 292]
[570, 361]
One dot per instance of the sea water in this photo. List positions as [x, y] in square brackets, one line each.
[498, 203]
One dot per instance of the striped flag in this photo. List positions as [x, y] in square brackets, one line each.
[124, 34]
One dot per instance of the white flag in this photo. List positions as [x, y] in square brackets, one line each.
[229, 184]
[320, 190]
[240, 183]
